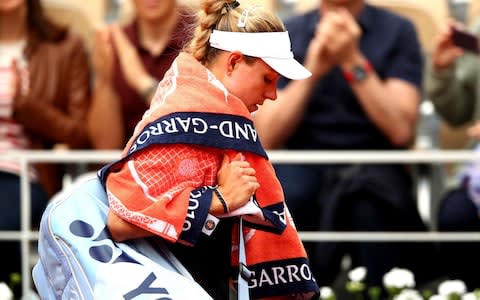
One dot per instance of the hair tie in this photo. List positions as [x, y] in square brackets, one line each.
[232, 6]
[242, 21]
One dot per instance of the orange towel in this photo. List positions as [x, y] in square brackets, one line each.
[162, 182]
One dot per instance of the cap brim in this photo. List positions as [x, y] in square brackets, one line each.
[288, 67]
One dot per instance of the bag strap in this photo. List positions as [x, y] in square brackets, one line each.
[244, 273]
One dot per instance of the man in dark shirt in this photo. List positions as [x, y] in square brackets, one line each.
[363, 95]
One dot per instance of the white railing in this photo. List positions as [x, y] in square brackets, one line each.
[25, 235]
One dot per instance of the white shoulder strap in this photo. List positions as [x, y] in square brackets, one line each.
[243, 273]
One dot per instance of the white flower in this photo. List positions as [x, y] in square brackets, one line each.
[326, 292]
[408, 294]
[469, 296]
[399, 278]
[5, 292]
[358, 274]
[452, 287]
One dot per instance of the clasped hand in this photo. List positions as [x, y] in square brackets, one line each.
[106, 40]
[335, 42]
[237, 182]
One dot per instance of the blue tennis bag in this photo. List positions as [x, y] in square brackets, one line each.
[78, 259]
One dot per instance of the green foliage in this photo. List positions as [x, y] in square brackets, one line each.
[374, 292]
[15, 280]
[426, 294]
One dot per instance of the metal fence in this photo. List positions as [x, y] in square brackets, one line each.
[427, 157]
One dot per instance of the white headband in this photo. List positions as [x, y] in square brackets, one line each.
[273, 47]
[257, 44]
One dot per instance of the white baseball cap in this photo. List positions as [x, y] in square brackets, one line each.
[273, 48]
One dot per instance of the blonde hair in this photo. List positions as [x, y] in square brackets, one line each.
[224, 15]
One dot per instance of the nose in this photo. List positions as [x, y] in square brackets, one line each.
[271, 93]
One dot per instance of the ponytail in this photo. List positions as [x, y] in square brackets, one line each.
[224, 15]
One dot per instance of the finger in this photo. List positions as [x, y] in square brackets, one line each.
[474, 127]
[238, 157]
[123, 47]
[16, 82]
[24, 81]
[102, 41]
[249, 171]
[249, 178]
[102, 36]
[116, 34]
[240, 165]
[471, 131]
[327, 24]
[473, 135]
[254, 186]
[225, 161]
[459, 25]
[121, 40]
[346, 15]
[447, 30]
[337, 18]
[14, 65]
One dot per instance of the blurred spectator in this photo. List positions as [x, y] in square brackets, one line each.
[363, 95]
[128, 62]
[44, 98]
[452, 84]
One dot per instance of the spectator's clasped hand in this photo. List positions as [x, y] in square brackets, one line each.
[102, 55]
[335, 42]
[113, 37]
[20, 82]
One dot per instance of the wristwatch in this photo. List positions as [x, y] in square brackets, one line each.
[358, 73]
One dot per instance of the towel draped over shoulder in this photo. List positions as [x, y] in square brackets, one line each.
[163, 182]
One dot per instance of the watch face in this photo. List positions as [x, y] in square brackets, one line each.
[359, 73]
